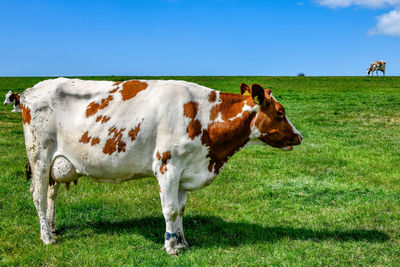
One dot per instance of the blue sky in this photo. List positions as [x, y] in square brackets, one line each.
[194, 37]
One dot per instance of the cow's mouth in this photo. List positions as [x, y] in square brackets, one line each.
[285, 146]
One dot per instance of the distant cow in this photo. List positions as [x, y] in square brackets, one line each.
[178, 132]
[12, 98]
[377, 66]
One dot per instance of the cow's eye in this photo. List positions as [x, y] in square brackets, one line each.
[280, 113]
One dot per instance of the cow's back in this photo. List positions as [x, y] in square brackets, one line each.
[111, 131]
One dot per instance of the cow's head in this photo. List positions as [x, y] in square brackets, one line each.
[369, 70]
[270, 124]
[9, 98]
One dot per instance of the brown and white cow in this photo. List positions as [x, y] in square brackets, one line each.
[376, 66]
[178, 132]
[12, 98]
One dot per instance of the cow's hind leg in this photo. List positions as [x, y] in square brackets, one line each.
[169, 184]
[62, 171]
[182, 244]
[51, 206]
[40, 178]
[39, 148]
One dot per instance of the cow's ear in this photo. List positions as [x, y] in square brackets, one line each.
[268, 96]
[244, 89]
[257, 93]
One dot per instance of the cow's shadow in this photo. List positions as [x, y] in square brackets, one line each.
[211, 231]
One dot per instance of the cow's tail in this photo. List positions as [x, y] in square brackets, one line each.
[28, 171]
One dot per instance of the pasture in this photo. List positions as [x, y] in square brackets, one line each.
[333, 200]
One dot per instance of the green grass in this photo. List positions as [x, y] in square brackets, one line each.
[334, 200]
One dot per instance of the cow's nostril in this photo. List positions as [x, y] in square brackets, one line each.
[300, 137]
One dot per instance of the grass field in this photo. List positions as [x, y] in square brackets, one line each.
[334, 200]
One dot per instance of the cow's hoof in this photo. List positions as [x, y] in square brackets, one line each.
[48, 241]
[172, 251]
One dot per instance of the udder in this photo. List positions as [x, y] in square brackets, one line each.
[63, 171]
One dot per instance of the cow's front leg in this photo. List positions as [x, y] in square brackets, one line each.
[182, 244]
[169, 183]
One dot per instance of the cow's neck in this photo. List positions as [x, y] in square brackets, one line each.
[17, 100]
[229, 129]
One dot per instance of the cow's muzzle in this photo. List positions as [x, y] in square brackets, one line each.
[297, 141]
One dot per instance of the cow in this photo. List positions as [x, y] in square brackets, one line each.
[13, 98]
[179, 132]
[376, 66]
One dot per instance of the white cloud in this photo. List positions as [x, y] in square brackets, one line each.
[363, 3]
[388, 23]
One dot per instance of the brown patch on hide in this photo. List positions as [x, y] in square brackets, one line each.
[134, 132]
[164, 160]
[225, 138]
[114, 143]
[231, 105]
[102, 118]
[95, 141]
[190, 111]
[85, 138]
[212, 97]
[105, 119]
[159, 188]
[115, 89]
[26, 114]
[194, 129]
[94, 107]
[131, 88]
